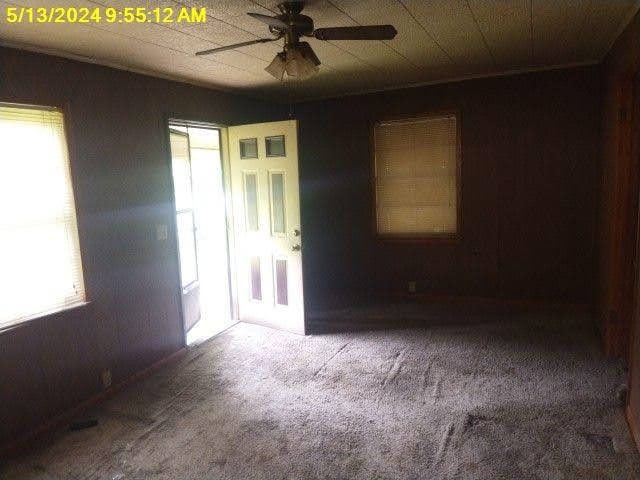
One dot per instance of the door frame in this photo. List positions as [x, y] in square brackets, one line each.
[616, 302]
[172, 227]
[633, 417]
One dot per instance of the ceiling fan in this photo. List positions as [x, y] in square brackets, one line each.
[298, 59]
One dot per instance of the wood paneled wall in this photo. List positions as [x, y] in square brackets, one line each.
[121, 173]
[530, 154]
[619, 191]
[633, 300]
[619, 299]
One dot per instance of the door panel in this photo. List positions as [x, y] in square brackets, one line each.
[266, 205]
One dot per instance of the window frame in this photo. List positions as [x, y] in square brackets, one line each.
[47, 103]
[257, 155]
[266, 147]
[421, 238]
[187, 210]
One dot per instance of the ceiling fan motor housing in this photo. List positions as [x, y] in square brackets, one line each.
[299, 25]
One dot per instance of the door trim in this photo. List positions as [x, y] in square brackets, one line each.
[172, 236]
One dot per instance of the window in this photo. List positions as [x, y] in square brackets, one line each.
[416, 177]
[251, 201]
[185, 218]
[248, 148]
[274, 146]
[40, 265]
[277, 192]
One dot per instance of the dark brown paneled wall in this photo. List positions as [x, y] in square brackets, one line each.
[121, 174]
[621, 70]
[619, 315]
[530, 147]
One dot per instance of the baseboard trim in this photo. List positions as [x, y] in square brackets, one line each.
[338, 303]
[510, 302]
[27, 441]
[633, 426]
[320, 321]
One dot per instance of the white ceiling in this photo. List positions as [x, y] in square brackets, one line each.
[437, 40]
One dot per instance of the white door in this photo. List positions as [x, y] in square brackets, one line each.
[266, 211]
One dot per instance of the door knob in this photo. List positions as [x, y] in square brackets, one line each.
[296, 232]
[296, 247]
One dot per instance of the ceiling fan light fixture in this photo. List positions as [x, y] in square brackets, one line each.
[308, 53]
[298, 60]
[277, 67]
[301, 62]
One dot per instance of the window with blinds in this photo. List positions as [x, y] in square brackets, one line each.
[416, 176]
[40, 265]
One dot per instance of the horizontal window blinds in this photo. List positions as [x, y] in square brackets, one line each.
[41, 268]
[416, 176]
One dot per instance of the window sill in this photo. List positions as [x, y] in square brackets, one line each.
[434, 239]
[29, 320]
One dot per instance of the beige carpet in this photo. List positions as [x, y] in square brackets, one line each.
[518, 397]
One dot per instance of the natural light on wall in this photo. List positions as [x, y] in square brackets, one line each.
[40, 265]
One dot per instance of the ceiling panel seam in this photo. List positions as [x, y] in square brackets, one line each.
[484, 39]
[110, 32]
[209, 40]
[588, 10]
[384, 43]
[178, 2]
[219, 19]
[187, 34]
[429, 34]
[622, 26]
[562, 33]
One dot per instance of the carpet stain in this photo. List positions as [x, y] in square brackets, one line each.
[471, 420]
[600, 442]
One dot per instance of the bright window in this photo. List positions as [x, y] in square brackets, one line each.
[185, 211]
[416, 176]
[40, 265]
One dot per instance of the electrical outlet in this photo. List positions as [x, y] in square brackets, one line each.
[106, 378]
[162, 232]
[411, 286]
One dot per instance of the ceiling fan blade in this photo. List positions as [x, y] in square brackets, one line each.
[364, 32]
[236, 45]
[271, 21]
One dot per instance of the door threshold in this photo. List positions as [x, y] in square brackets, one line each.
[195, 338]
